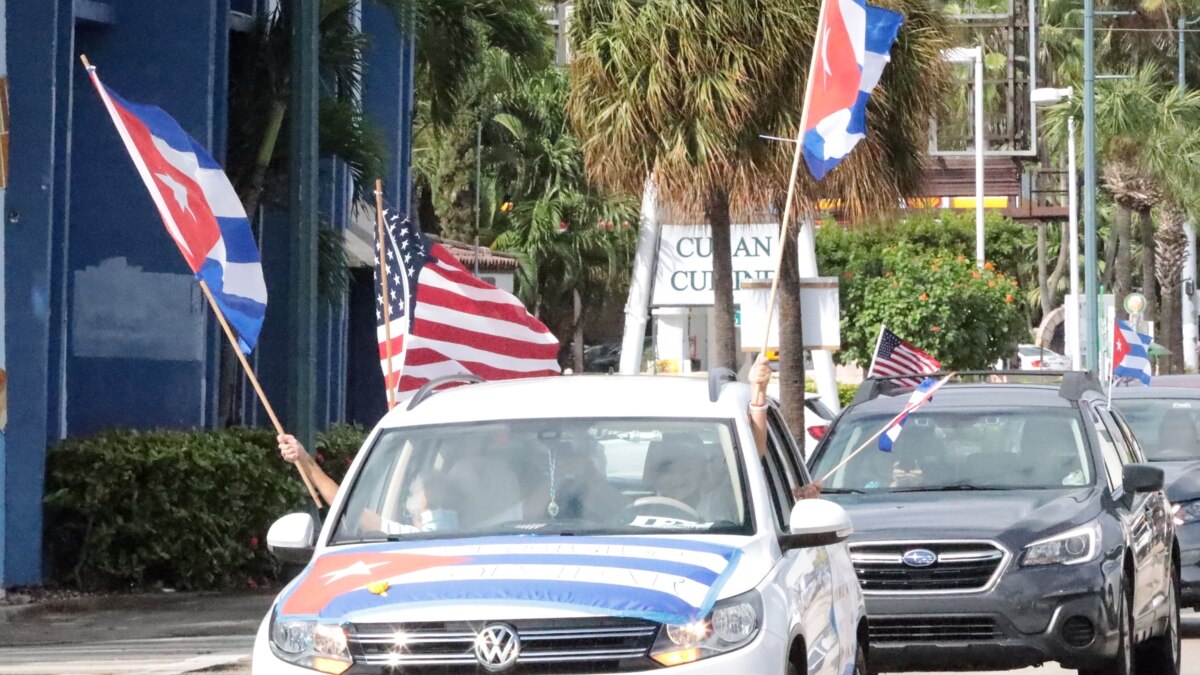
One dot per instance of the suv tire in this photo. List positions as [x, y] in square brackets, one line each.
[1161, 655]
[1123, 663]
[860, 662]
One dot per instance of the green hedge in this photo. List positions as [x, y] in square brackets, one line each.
[187, 510]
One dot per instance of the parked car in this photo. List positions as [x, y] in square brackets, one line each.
[1166, 421]
[1011, 525]
[602, 358]
[817, 417]
[1033, 357]
[564, 525]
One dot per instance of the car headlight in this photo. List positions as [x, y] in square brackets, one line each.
[1073, 547]
[732, 624]
[321, 647]
[1186, 512]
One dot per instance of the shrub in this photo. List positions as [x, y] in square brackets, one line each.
[179, 509]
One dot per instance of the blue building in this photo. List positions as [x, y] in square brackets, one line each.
[101, 323]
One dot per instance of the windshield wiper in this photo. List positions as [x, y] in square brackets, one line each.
[841, 491]
[958, 487]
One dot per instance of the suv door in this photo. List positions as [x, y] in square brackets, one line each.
[821, 585]
[1146, 522]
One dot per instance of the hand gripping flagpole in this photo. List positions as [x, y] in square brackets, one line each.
[791, 191]
[908, 408]
[383, 281]
[212, 302]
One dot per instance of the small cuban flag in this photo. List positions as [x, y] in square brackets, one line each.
[920, 396]
[1131, 354]
[854, 42]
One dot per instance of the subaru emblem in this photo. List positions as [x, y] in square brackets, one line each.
[919, 557]
[497, 647]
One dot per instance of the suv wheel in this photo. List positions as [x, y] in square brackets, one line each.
[1123, 663]
[860, 662]
[1160, 655]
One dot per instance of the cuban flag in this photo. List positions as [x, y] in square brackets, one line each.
[199, 208]
[1131, 354]
[668, 580]
[921, 395]
[854, 41]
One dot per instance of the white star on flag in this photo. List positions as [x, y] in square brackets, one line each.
[359, 568]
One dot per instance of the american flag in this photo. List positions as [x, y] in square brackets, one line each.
[440, 320]
[895, 357]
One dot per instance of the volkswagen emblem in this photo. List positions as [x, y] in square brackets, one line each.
[497, 647]
[919, 557]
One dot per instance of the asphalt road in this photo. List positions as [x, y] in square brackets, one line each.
[199, 634]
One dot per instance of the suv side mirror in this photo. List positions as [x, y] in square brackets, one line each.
[1141, 478]
[290, 538]
[816, 522]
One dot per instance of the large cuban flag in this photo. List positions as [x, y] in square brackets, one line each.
[854, 40]
[199, 208]
[665, 580]
[1131, 354]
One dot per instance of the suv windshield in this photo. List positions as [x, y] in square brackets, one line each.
[1167, 429]
[961, 450]
[549, 476]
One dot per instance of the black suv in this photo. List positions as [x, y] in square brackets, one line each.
[1013, 523]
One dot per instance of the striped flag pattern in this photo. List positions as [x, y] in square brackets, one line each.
[1131, 354]
[437, 319]
[921, 395]
[895, 357]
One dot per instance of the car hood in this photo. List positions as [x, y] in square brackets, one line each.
[668, 579]
[1000, 514]
[1182, 480]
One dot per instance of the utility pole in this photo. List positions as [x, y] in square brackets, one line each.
[302, 212]
[1091, 317]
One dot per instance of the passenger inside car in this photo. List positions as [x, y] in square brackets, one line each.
[687, 470]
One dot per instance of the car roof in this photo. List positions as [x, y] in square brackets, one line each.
[575, 396]
[1156, 392]
[972, 395]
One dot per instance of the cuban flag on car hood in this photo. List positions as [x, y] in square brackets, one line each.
[668, 580]
[199, 208]
[853, 44]
[921, 395]
[1131, 354]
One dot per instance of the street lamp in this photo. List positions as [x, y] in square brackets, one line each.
[1048, 95]
[975, 55]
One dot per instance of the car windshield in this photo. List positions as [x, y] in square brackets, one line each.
[1166, 428]
[553, 476]
[961, 450]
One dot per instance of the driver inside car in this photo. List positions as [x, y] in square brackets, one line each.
[688, 473]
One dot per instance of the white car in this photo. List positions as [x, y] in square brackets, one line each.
[570, 524]
[1033, 357]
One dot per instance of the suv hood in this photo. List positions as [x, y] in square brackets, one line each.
[667, 579]
[968, 515]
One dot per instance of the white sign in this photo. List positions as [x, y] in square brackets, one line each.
[820, 312]
[684, 277]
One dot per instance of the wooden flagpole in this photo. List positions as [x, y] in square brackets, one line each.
[791, 191]
[204, 286]
[212, 302]
[383, 281]
[875, 354]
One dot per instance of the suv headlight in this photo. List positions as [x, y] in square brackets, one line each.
[1186, 512]
[321, 647]
[1073, 547]
[732, 624]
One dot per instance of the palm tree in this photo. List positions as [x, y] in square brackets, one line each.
[1171, 242]
[683, 90]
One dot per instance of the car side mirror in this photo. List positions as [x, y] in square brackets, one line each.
[1139, 478]
[290, 538]
[816, 522]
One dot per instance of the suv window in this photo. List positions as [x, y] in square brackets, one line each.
[1113, 462]
[1022, 448]
[779, 478]
[583, 476]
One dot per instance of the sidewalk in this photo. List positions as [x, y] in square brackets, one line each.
[148, 633]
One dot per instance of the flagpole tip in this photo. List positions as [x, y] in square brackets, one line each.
[87, 64]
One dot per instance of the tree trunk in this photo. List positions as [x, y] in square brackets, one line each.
[1060, 266]
[577, 343]
[1042, 272]
[717, 211]
[1146, 230]
[1110, 256]
[1171, 243]
[1123, 266]
[791, 337]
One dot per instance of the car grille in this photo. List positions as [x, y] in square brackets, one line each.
[960, 567]
[587, 645]
[932, 629]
